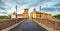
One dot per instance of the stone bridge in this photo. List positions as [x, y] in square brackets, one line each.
[49, 24]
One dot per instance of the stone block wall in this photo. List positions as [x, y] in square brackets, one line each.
[49, 23]
[5, 24]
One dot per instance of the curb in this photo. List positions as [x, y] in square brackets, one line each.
[11, 27]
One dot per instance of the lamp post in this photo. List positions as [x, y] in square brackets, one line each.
[40, 11]
[16, 11]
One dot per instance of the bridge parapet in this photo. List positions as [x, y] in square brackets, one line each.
[9, 22]
[54, 24]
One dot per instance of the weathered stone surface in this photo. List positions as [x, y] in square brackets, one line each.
[50, 23]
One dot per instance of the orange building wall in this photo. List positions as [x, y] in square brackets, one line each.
[25, 13]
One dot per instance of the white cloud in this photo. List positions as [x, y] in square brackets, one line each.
[11, 7]
[52, 12]
[49, 4]
[55, 12]
[21, 8]
[2, 12]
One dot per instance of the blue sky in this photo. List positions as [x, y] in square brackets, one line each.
[47, 6]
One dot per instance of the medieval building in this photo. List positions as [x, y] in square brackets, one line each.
[23, 15]
[36, 14]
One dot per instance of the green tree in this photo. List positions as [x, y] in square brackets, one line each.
[56, 16]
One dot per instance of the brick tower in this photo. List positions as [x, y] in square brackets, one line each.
[25, 13]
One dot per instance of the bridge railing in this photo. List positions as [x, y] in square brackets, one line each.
[55, 24]
[9, 22]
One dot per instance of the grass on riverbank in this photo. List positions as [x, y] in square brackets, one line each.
[3, 17]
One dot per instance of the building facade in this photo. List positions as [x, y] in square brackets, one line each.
[23, 15]
[36, 14]
[13, 15]
[18, 15]
[26, 13]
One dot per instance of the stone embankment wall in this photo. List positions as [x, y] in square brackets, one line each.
[54, 24]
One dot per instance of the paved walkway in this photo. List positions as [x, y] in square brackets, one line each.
[28, 25]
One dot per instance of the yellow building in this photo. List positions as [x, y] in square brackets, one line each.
[26, 13]
[13, 15]
[36, 14]
[23, 15]
[18, 15]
